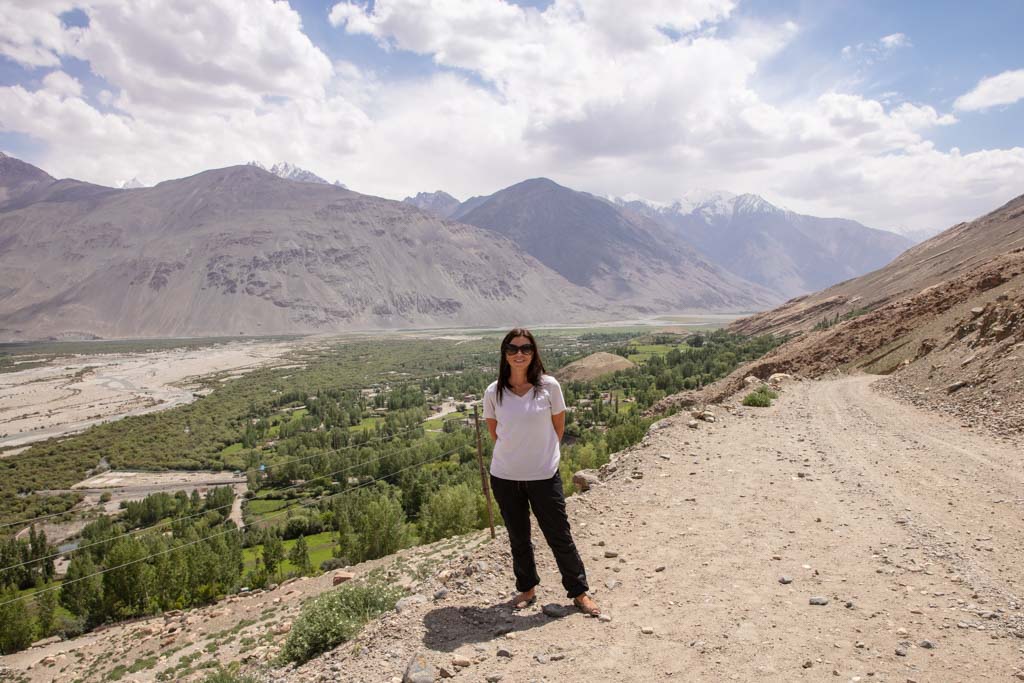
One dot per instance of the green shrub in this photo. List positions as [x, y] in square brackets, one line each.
[222, 675]
[760, 397]
[336, 617]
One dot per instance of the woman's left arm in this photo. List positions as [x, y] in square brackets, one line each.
[558, 422]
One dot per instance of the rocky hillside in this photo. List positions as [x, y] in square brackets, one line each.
[240, 251]
[955, 252]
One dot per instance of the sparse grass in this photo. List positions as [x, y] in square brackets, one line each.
[760, 397]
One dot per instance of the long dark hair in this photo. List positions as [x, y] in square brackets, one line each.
[533, 372]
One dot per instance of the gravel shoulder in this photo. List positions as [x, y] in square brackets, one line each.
[907, 524]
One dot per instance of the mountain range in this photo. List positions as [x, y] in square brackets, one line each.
[786, 253]
[248, 250]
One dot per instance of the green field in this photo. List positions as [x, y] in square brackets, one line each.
[320, 546]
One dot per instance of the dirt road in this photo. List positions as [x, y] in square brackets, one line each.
[908, 525]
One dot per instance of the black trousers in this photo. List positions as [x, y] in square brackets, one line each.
[547, 499]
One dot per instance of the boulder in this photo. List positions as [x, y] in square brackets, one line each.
[779, 378]
[584, 480]
[341, 577]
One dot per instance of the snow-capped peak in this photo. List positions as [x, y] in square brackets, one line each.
[132, 184]
[288, 171]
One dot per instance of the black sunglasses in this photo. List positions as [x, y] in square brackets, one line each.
[512, 349]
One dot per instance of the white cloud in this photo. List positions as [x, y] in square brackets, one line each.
[894, 40]
[32, 34]
[870, 52]
[654, 101]
[1005, 88]
[62, 84]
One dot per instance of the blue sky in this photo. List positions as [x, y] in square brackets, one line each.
[905, 115]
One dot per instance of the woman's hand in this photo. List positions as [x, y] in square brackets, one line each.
[558, 422]
[492, 427]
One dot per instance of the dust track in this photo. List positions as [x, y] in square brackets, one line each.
[913, 521]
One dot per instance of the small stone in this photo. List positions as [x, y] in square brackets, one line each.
[785, 580]
[927, 645]
[461, 661]
[405, 604]
[419, 670]
[542, 659]
[900, 652]
[660, 568]
[646, 630]
[555, 611]
[493, 678]
[692, 424]
[818, 600]
[612, 584]
[807, 664]
[445, 673]
[503, 652]
[557, 657]
[604, 617]
[610, 554]
[441, 594]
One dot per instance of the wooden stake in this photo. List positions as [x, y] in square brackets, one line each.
[483, 475]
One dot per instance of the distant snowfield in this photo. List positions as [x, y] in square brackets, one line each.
[75, 392]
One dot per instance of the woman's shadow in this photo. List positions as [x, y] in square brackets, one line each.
[450, 627]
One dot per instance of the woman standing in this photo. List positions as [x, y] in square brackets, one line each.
[525, 413]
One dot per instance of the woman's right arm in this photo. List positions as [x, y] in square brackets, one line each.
[492, 427]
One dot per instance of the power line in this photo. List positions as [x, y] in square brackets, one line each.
[222, 533]
[169, 522]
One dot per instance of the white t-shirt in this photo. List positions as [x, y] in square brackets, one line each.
[527, 446]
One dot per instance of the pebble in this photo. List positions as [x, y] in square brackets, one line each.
[555, 611]
[441, 594]
[542, 659]
[807, 664]
[900, 652]
[604, 617]
[785, 580]
[445, 673]
[660, 568]
[818, 600]
[927, 645]
[418, 670]
[460, 661]
[610, 554]
[503, 652]
[493, 678]
[612, 584]
[647, 630]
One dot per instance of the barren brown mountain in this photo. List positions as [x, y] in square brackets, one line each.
[624, 257]
[241, 251]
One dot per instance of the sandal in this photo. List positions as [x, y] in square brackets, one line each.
[592, 610]
[523, 604]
